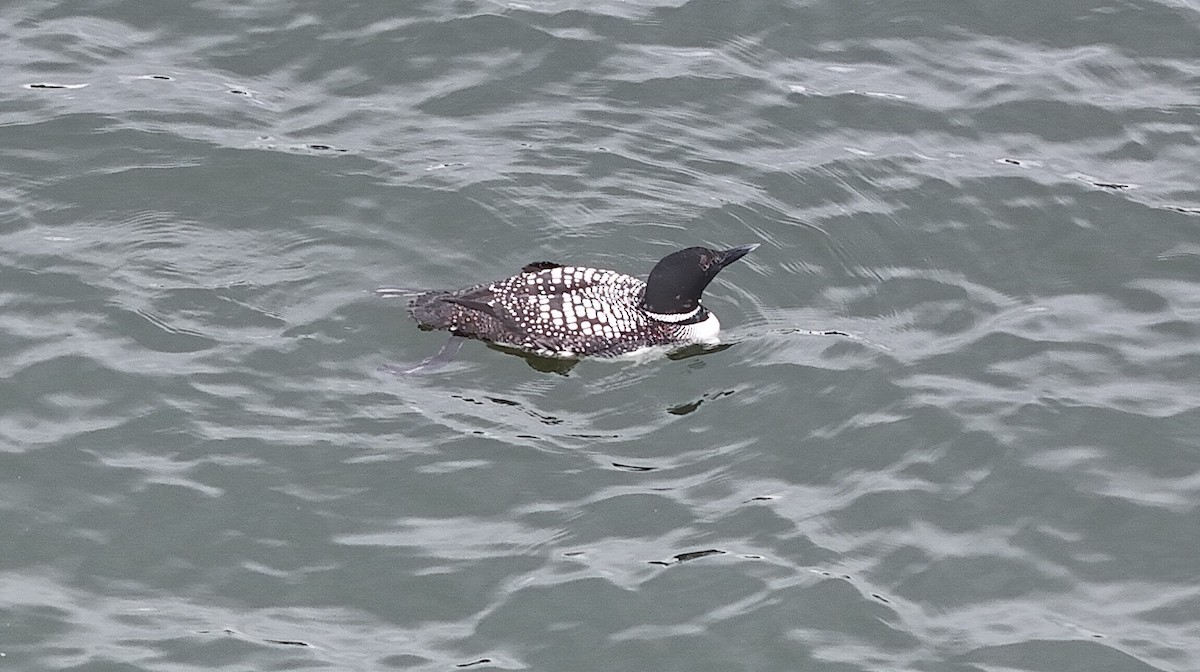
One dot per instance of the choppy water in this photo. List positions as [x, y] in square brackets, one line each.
[201, 466]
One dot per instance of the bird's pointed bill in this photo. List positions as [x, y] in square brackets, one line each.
[731, 255]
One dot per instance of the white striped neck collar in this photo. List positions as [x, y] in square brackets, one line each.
[675, 317]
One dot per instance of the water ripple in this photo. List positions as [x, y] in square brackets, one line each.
[953, 428]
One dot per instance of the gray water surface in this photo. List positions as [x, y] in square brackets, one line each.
[202, 466]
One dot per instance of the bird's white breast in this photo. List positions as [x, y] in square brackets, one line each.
[707, 331]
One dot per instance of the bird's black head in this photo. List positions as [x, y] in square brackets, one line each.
[677, 282]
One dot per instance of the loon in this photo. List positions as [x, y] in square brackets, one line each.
[555, 310]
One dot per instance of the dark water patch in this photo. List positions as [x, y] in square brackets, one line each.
[634, 468]
[316, 147]
[234, 633]
[52, 85]
[684, 409]
[546, 419]
[687, 557]
[287, 642]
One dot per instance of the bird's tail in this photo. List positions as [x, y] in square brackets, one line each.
[432, 310]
